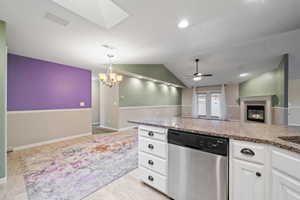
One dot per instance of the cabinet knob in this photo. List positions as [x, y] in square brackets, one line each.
[258, 174]
[150, 146]
[150, 133]
[150, 162]
[150, 178]
[247, 152]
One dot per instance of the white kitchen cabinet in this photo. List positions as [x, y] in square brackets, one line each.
[284, 187]
[285, 175]
[248, 180]
[153, 157]
[247, 171]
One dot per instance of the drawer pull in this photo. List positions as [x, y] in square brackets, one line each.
[150, 146]
[258, 174]
[150, 178]
[150, 133]
[247, 152]
[150, 162]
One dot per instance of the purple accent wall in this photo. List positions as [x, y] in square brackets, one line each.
[39, 85]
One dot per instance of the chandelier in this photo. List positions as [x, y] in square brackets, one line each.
[110, 78]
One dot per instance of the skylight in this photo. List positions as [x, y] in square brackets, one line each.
[104, 13]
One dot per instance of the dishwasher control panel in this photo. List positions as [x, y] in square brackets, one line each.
[210, 144]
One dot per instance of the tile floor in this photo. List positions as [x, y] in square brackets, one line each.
[129, 187]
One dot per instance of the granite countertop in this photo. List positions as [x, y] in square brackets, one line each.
[251, 132]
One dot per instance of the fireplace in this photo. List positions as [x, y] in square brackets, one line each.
[256, 113]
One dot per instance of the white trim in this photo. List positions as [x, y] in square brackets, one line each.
[54, 110]
[95, 123]
[5, 118]
[277, 107]
[233, 106]
[3, 180]
[127, 128]
[294, 124]
[50, 141]
[107, 127]
[294, 107]
[145, 107]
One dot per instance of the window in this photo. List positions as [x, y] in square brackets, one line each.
[209, 105]
[215, 105]
[202, 104]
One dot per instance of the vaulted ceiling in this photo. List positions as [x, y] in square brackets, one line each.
[228, 36]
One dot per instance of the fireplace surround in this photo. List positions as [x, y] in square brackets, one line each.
[260, 109]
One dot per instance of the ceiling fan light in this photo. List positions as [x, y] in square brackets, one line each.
[197, 78]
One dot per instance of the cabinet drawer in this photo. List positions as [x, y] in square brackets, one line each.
[153, 133]
[154, 163]
[153, 147]
[248, 151]
[153, 179]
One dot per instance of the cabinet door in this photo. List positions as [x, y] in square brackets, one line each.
[248, 181]
[284, 187]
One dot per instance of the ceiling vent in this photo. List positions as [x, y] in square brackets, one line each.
[58, 20]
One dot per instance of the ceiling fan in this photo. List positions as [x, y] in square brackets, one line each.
[197, 76]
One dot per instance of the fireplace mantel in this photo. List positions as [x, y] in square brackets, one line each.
[252, 100]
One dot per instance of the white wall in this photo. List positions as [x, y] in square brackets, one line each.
[109, 106]
[95, 102]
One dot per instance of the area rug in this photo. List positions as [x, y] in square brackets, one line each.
[76, 171]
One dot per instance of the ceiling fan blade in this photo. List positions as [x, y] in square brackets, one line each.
[207, 75]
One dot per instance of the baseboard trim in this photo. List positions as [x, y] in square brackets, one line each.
[107, 127]
[49, 141]
[120, 129]
[3, 180]
[127, 128]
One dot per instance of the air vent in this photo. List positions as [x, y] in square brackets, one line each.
[56, 19]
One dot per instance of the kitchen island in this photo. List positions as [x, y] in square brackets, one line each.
[263, 165]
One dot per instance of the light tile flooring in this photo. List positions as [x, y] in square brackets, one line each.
[128, 187]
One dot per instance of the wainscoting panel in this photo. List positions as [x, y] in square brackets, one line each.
[233, 112]
[280, 115]
[31, 127]
[186, 111]
[144, 112]
[294, 116]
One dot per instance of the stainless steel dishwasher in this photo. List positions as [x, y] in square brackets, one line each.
[197, 166]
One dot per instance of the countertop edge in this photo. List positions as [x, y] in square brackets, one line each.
[240, 138]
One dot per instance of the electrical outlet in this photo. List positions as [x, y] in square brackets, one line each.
[82, 104]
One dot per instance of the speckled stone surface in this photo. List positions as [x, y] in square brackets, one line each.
[251, 132]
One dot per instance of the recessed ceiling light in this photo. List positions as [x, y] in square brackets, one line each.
[197, 78]
[255, 1]
[183, 24]
[244, 74]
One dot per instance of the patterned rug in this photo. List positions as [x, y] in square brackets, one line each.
[76, 171]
